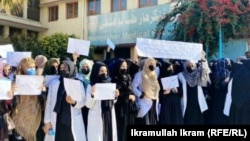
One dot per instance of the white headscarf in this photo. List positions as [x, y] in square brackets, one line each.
[90, 65]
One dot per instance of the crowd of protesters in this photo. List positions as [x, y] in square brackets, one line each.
[209, 93]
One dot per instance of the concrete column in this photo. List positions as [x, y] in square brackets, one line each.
[6, 32]
[25, 9]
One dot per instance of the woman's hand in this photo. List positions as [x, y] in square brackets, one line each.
[43, 88]
[227, 79]
[174, 90]
[46, 127]
[75, 55]
[10, 94]
[167, 91]
[131, 97]
[93, 89]
[70, 100]
[117, 93]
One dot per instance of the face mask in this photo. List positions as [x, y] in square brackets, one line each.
[64, 73]
[151, 67]
[53, 70]
[31, 71]
[85, 71]
[103, 76]
[123, 71]
[189, 69]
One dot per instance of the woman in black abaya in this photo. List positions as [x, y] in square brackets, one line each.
[170, 100]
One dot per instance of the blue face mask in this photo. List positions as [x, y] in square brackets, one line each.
[31, 71]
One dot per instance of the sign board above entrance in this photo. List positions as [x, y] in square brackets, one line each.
[125, 26]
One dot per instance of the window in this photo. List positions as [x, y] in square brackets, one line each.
[33, 4]
[1, 30]
[33, 10]
[53, 13]
[72, 10]
[13, 31]
[119, 5]
[145, 3]
[94, 7]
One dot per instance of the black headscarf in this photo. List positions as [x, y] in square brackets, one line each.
[163, 70]
[122, 80]
[62, 108]
[94, 78]
[117, 66]
[132, 68]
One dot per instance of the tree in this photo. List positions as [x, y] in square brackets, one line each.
[55, 45]
[10, 3]
[15, 6]
[26, 42]
[200, 21]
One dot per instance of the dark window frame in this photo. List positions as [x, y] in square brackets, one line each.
[74, 13]
[55, 13]
[148, 3]
[95, 12]
[120, 8]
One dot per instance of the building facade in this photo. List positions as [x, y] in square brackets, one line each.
[122, 21]
[22, 17]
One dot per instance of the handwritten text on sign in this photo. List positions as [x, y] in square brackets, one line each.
[168, 49]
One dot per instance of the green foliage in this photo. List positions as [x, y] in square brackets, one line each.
[11, 3]
[200, 20]
[4, 41]
[56, 45]
[26, 42]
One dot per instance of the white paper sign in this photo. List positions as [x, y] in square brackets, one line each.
[29, 84]
[105, 91]
[168, 49]
[50, 78]
[5, 86]
[110, 44]
[4, 49]
[77, 45]
[170, 82]
[1, 68]
[13, 58]
[74, 88]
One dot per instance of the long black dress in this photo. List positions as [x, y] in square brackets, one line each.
[193, 114]
[62, 108]
[123, 107]
[218, 93]
[240, 107]
[106, 105]
[170, 111]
